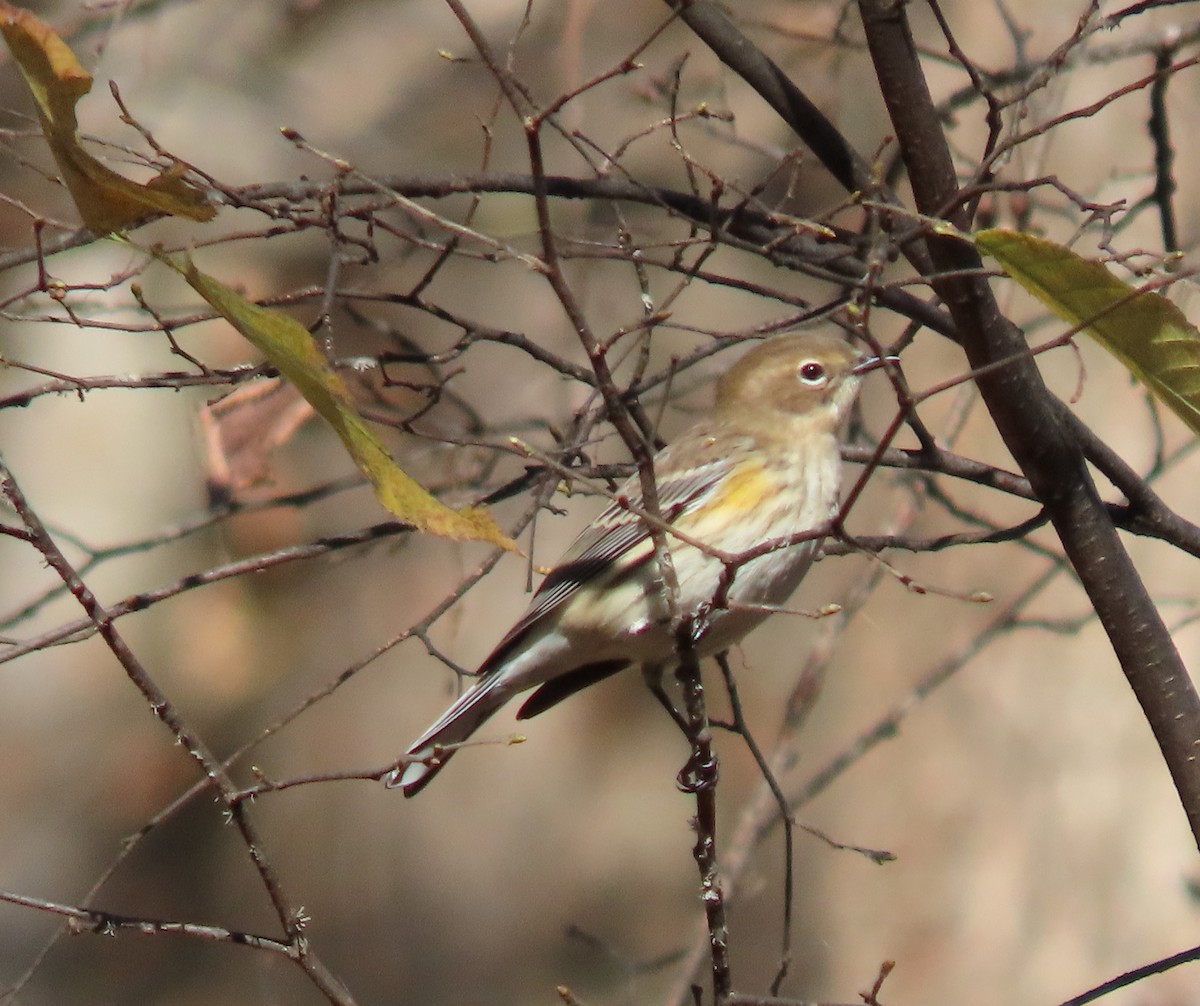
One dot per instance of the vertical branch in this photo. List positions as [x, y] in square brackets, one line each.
[1026, 417]
[1164, 152]
[742, 729]
[699, 777]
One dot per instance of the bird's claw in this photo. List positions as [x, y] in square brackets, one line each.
[702, 620]
[698, 774]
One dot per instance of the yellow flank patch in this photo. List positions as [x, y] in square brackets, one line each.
[743, 490]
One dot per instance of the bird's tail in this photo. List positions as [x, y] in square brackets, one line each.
[458, 722]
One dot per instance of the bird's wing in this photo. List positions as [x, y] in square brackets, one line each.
[609, 545]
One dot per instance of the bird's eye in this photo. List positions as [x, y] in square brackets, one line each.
[812, 373]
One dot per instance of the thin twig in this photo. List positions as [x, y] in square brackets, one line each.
[290, 919]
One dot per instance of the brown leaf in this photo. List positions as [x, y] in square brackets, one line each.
[107, 201]
[243, 428]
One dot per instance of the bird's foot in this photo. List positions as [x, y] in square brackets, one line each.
[700, 773]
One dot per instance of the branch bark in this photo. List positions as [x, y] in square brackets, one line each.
[1027, 418]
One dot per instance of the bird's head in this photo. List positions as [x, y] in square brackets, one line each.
[808, 374]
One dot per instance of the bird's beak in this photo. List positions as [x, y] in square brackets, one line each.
[869, 363]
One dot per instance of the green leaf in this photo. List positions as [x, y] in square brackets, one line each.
[1141, 328]
[290, 347]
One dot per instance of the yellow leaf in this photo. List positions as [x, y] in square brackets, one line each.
[290, 347]
[107, 201]
[1142, 329]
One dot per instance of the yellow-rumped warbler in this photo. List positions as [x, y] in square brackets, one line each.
[766, 465]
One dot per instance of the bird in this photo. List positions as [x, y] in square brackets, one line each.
[763, 466]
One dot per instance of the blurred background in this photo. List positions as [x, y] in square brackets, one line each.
[1038, 846]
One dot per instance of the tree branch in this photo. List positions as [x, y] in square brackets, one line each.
[1031, 425]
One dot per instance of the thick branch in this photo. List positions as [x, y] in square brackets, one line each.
[712, 24]
[1030, 423]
